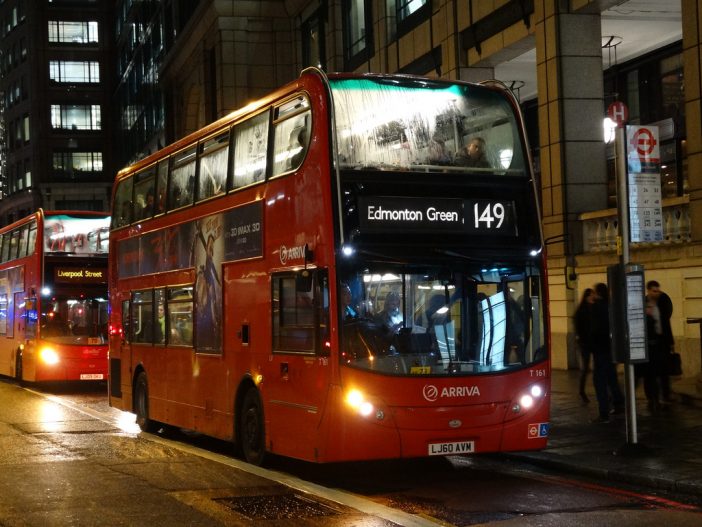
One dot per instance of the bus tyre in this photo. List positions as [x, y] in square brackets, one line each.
[141, 403]
[252, 429]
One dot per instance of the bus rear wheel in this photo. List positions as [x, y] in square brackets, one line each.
[141, 403]
[252, 434]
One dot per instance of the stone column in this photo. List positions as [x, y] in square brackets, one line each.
[573, 168]
[692, 57]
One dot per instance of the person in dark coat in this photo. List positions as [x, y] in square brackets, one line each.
[660, 307]
[610, 398]
[583, 326]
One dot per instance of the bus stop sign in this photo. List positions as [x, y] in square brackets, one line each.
[618, 112]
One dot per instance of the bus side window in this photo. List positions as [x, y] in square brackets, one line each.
[144, 194]
[250, 148]
[181, 189]
[126, 321]
[161, 325]
[323, 312]
[142, 316]
[293, 316]
[122, 209]
[5, 247]
[213, 167]
[14, 243]
[180, 316]
[31, 243]
[3, 314]
[291, 142]
[161, 182]
[24, 236]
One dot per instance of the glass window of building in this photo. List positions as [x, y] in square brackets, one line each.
[410, 13]
[73, 32]
[74, 71]
[358, 40]
[76, 116]
[72, 164]
[313, 49]
[405, 8]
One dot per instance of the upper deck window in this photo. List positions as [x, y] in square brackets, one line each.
[181, 189]
[417, 125]
[292, 134]
[213, 166]
[250, 148]
[122, 207]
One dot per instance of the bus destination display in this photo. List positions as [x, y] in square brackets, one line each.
[470, 216]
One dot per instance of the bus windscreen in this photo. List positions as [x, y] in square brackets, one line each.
[429, 322]
[425, 126]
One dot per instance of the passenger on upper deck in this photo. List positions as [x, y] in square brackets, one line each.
[298, 145]
[472, 155]
[438, 155]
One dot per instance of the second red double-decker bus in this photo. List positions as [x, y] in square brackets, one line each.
[350, 268]
[53, 297]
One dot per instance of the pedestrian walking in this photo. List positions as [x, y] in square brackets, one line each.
[610, 398]
[583, 328]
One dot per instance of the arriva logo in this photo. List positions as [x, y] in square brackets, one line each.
[291, 253]
[431, 392]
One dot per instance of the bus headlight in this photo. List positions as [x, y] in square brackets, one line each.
[357, 401]
[528, 398]
[48, 356]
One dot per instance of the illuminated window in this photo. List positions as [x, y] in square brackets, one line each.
[75, 163]
[73, 32]
[410, 13]
[74, 71]
[76, 116]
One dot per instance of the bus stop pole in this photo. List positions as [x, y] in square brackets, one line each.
[624, 258]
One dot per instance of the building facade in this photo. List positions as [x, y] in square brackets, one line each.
[181, 64]
[562, 60]
[55, 82]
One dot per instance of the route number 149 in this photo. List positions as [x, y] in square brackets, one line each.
[485, 216]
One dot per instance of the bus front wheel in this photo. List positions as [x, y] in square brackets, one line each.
[252, 429]
[141, 403]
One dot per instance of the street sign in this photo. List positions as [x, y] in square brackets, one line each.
[644, 184]
[618, 112]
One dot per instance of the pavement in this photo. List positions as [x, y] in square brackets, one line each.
[667, 453]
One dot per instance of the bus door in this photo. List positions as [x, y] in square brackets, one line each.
[15, 327]
[19, 318]
[121, 354]
[300, 369]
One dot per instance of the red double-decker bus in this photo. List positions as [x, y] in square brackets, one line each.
[334, 273]
[53, 297]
